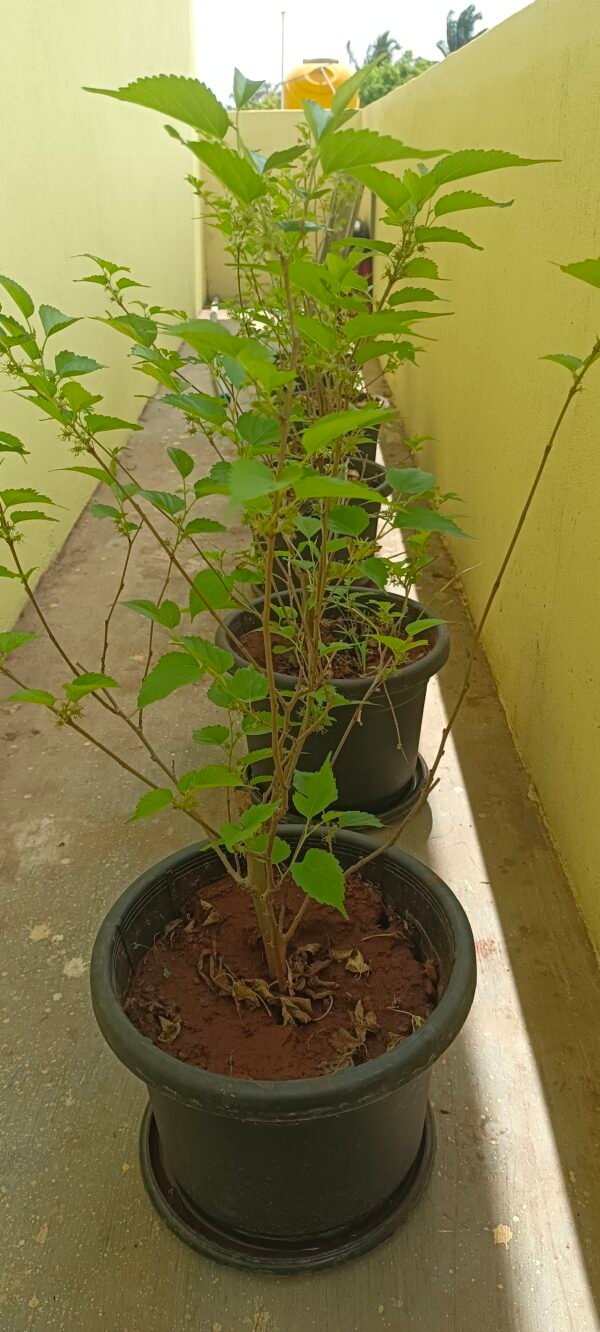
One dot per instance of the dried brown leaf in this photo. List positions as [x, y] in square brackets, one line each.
[170, 1029]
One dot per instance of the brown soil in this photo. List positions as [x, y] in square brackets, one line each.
[358, 1005]
[343, 665]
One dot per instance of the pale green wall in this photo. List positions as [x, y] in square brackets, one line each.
[86, 173]
[531, 85]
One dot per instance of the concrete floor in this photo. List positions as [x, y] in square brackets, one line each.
[507, 1237]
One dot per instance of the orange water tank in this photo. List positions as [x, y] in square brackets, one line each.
[316, 81]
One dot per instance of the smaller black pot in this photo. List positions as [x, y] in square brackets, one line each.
[377, 766]
[297, 1175]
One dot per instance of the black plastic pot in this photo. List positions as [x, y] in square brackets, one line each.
[291, 1175]
[378, 769]
[368, 445]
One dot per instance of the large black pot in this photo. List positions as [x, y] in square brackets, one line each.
[379, 769]
[295, 1174]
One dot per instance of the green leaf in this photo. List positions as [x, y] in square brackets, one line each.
[410, 480]
[473, 162]
[23, 496]
[348, 519]
[317, 117]
[69, 363]
[314, 791]
[139, 328]
[390, 189]
[8, 573]
[21, 298]
[163, 500]
[249, 479]
[40, 696]
[205, 336]
[151, 803]
[12, 444]
[320, 875]
[346, 149]
[420, 626]
[314, 330]
[174, 95]
[426, 520]
[9, 642]
[233, 171]
[587, 270]
[79, 397]
[199, 405]
[211, 735]
[244, 89]
[212, 658]
[104, 511]
[88, 683]
[182, 461]
[463, 199]
[210, 592]
[31, 516]
[309, 277]
[167, 614]
[376, 569]
[572, 363]
[98, 424]
[199, 525]
[429, 235]
[284, 157]
[171, 672]
[257, 430]
[280, 850]
[353, 818]
[421, 267]
[214, 776]
[406, 294]
[337, 424]
[248, 685]
[313, 485]
[348, 90]
[386, 321]
[54, 320]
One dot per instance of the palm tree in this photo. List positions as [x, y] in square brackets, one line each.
[460, 31]
[383, 48]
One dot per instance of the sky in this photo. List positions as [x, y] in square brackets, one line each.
[247, 33]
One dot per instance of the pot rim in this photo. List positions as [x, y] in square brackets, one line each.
[288, 1099]
[415, 673]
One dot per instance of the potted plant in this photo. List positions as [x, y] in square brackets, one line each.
[283, 988]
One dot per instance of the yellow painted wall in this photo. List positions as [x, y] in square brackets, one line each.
[531, 85]
[265, 132]
[86, 173]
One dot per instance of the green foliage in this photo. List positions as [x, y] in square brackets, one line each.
[21, 298]
[233, 171]
[172, 671]
[348, 149]
[88, 683]
[244, 89]
[152, 803]
[11, 640]
[53, 320]
[383, 78]
[338, 424]
[68, 364]
[184, 99]
[314, 791]
[321, 877]
[168, 613]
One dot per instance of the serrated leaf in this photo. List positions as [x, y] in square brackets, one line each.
[431, 235]
[54, 320]
[211, 735]
[12, 444]
[473, 162]
[314, 330]
[387, 321]
[198, 405]
[249, 479]
[320, 876]
[215, 659]
[10, 641]
[31, 516]
[139, 328]
[99, 424]
[233, 171]
[88, 683]
[348, 519]
[353, 818]
[163, 500]
[410, 480]
[172, 671]
[168, 613]
[203, 525]
[390, 189]
[257, 430]
[151, 803]
[572, 363]
[284, 157]
[214, 776]
[69, 363]
[426, 520]
[314, 791]
[105, 511]
[460, 200]
[21, 298]
[182, 461]
[406, 294]
[175, 95]
[350, 87]
[314, 485]
[79, 397]
[338, 424]
[587, 270]
[244, 89]
[40, 696]
[420, 626]
[210, 592]
[248, 685]
[346, 149]
[421, 267]
[25, 495]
